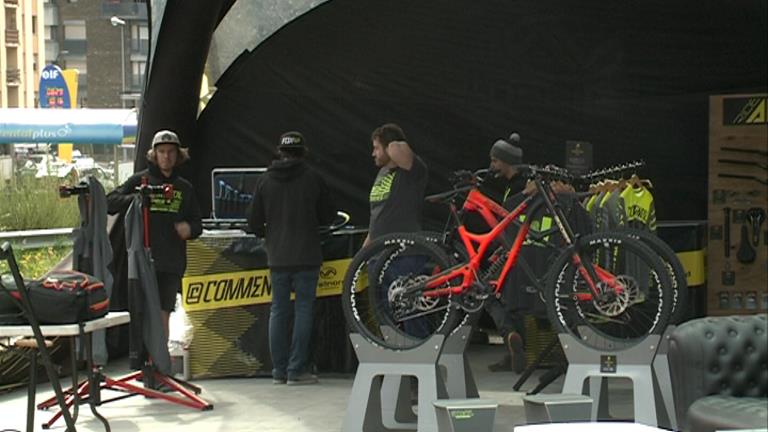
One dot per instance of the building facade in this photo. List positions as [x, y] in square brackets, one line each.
[22, 52]
[107, 41]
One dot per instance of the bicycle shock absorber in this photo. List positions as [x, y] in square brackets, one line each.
[497, 260]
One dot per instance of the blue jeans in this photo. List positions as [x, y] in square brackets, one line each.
[304, 284]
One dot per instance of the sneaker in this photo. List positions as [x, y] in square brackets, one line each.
[279, 380]
[302, 379]
[517, 351]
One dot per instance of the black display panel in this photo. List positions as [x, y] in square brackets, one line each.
[232, 191]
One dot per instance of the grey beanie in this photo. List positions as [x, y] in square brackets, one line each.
[507, 153]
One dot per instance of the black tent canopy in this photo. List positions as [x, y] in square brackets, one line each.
[633, 78]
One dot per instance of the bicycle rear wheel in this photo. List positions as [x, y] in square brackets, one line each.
[621, 317]
[382, 293]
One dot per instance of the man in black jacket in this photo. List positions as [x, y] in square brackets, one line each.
[172, 220]
[289, 203]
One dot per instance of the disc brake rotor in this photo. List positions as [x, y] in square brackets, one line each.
[617, 302]
[397, 296]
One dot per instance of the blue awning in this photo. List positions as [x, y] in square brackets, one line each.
[76, 126]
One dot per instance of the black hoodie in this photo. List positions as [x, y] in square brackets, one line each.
[289, 203]
[169, 252]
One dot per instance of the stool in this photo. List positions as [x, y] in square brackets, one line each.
[557, 408]
[465, 415]
[30, 344]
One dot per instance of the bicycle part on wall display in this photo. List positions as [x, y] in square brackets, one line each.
[746, 253]
[743, 177]
[728, 276]
[727, 232]
[742, 162]
[744, 150]
[756, 216]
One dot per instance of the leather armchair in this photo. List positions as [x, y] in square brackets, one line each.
[719, 369]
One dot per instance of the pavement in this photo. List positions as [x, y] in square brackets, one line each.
[257, 404]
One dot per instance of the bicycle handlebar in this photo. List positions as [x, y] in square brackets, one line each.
[165, 190]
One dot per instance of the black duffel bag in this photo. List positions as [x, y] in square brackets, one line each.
[66, 297]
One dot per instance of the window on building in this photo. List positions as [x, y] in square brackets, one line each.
[140, 31]
[50, 33]
[34, 24]
[137, 73]
[74, 30]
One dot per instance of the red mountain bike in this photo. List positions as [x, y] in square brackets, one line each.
[607, 289]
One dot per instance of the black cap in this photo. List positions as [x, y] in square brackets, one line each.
[507, 153]
[292, 140]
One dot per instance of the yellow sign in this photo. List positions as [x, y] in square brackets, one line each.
[70, 78]
[250, 287]
[693, 263]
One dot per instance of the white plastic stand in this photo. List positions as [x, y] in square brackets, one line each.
[645, 364]
[381, 394]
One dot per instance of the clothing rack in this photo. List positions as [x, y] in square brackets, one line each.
[611, 171]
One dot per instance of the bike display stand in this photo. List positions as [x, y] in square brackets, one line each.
[381, 394]
[459, 380]
[645, 364]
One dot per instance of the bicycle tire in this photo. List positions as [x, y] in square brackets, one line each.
[373, 309]
[677, 272]
[603, 326]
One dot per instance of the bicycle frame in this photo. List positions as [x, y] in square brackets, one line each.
[477, 245]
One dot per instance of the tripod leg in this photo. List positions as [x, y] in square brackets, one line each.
[6, 252]
[31, 392]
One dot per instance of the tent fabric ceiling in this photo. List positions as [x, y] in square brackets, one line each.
[246, 25]
[631, 77]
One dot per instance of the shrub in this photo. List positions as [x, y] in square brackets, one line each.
[34, 203]
[34, 263]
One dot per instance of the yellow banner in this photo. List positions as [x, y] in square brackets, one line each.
[250, 287]
[694, 265]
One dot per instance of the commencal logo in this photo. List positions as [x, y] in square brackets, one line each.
[160, 204]
[745, 111]
[382, 187]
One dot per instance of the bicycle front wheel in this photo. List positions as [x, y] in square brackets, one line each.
[633, 298]
[383, 293]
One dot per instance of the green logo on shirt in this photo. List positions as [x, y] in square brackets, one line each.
[382, 187]
[160, 204]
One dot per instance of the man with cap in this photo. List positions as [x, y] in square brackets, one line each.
[290, 202]
[172, 221]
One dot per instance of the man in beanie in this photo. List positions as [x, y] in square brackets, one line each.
[504, 159]
[506, 314]
[171, 221]
[509, 311]
[290, 202]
